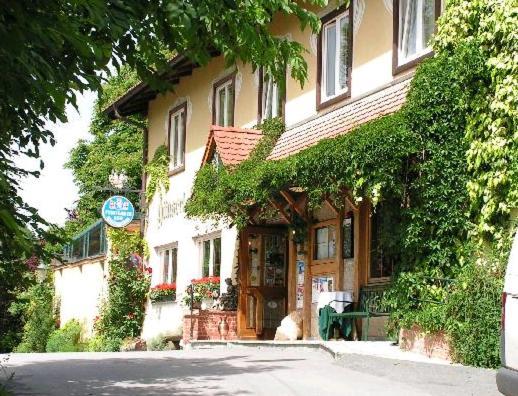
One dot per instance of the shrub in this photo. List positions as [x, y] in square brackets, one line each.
[473, 312]
[36, 308]
[157, 343]
[100, 343]
[65, 339]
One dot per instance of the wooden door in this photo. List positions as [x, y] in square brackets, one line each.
[263, 292]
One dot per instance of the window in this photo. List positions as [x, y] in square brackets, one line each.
[414, 24]
[223, 102]
[384, 240]
[176, 137]
[335, 57]
[169, 258]
[325, 243]
[211, 257]
[270, 97]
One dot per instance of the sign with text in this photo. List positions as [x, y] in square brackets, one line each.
[118, 211]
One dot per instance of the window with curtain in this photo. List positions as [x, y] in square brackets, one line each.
[177, 124]
[271, 98]
[169, 265]
[416, 26]
[211, 257]
[224, 103]
[335, 56]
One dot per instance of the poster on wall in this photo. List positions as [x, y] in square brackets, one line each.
[300, 284]
[320, 284]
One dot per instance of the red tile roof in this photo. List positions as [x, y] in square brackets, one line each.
[233, 144]
[342, 120]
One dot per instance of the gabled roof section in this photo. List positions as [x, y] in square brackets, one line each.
[233, 145]
[342, 120]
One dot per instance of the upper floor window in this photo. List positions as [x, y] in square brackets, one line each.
[270, 97]
[223, 102]
[211, 257]
[414, 24]
[169, 259]
[335, 57]
[176, 137]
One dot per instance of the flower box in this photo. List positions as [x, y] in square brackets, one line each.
[163, 292]
[203, 288]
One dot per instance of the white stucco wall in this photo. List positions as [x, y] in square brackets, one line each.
[80, 287]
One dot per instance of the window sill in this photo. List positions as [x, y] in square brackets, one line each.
[334, 100]
[176, 170]
[397, 69]
[379, 281]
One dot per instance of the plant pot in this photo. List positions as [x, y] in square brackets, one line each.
[207, 303]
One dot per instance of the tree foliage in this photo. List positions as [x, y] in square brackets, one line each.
[53, 49]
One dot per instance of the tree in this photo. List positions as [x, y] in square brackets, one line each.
[52, 49]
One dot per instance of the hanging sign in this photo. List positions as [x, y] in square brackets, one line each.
[118, 211]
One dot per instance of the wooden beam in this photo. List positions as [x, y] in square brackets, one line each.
[332, 205]
[281, 210]
[293, 204]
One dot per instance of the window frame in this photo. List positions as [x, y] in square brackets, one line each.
[322, 101]
[225, 81]
[260, 92]
[177, 110]
[201, 248]
[172, 272]
[396, 67]
[337, 253]
[370, 278]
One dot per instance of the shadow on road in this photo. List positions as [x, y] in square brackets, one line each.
[119, 376]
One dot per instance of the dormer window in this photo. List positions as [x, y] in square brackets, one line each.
[414, 25]
[335, 57]
[176, 137]
[223, 102]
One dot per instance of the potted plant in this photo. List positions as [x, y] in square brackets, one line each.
[163, 292]
[204, 291]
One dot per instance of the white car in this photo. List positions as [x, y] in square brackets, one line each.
[507, 376]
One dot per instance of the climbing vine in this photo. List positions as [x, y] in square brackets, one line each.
[157, 170]
[369, 160]
[122, 313]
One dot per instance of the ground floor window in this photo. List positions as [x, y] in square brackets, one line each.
[169, 260]
[211, 256]
[384, 244]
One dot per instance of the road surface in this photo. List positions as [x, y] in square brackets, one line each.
[239, 371]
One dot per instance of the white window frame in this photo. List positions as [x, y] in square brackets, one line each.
[401, 59]
[176, 138]
[171, 278]
[226, 86]
[269, 99]
[323, 81]
[201, 241]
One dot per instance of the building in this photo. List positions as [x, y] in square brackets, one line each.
[359, 69]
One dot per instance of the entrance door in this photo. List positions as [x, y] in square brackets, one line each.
[263, 295]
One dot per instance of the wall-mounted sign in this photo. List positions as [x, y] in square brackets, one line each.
[118, 211]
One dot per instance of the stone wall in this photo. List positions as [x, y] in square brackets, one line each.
[205, 325]
[432, 345]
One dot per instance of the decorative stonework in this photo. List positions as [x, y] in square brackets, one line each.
[359, 10]
[388, 5]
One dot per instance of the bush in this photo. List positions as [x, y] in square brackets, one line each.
[36, 309]
[473, 313]
[157, 343]
[65, 339]
[100, 343]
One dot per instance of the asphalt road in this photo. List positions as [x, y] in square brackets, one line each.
[239, 371]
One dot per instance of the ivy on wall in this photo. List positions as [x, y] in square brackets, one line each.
[157, 172]
[369, 160]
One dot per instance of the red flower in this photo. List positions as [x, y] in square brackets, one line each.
[165, 286]
[207, 279]
[149, 270]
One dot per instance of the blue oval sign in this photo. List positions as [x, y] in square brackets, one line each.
[118, 211]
